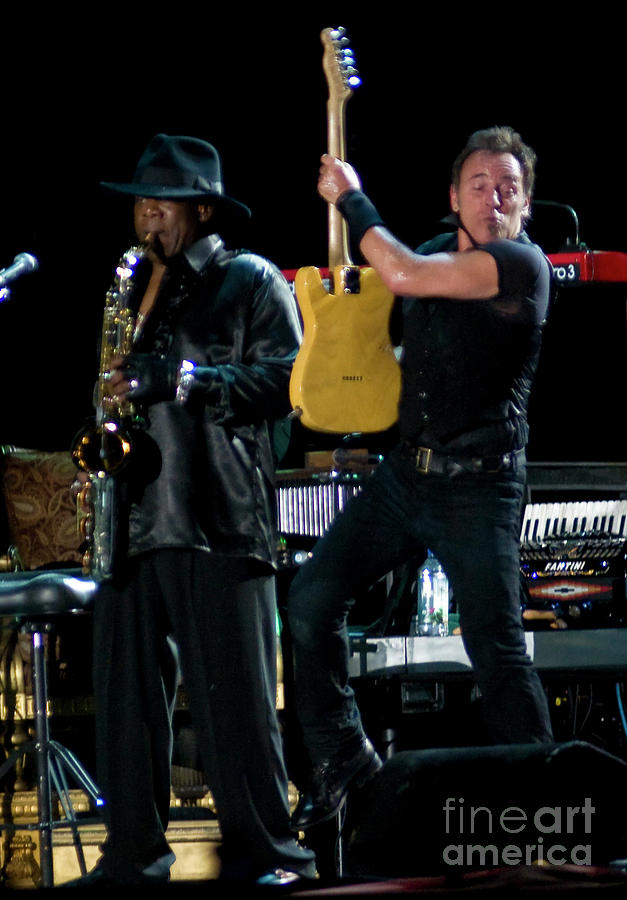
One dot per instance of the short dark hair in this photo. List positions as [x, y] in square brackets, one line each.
[499, 139]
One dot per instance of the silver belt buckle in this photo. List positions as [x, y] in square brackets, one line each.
[423, 459]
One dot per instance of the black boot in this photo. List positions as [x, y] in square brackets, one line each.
[332, 779]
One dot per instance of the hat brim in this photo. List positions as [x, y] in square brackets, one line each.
[166, 192]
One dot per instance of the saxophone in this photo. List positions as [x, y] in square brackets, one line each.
[103, 449]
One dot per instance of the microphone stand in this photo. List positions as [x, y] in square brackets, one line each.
[569, 244]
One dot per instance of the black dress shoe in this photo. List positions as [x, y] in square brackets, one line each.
[284, 878]
[98, 878]
[332, 780]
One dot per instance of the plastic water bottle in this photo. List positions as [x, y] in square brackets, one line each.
[433, 599]
[425, 596]
[441, 599]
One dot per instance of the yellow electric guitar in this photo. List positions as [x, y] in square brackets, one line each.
[346, 377]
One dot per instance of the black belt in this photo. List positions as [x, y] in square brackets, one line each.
[427, 460]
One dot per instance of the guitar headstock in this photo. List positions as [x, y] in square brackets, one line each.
[342, 77]
[339, 64]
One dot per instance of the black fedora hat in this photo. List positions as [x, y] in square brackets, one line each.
[181, 168]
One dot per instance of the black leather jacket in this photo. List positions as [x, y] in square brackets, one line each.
[215, 488]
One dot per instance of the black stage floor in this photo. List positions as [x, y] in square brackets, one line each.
[521, 881]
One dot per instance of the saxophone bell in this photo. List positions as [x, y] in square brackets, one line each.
[102, 448]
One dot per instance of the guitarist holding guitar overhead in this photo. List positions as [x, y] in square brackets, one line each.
[474, 303]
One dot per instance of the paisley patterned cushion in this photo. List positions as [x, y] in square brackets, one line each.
[40, 510]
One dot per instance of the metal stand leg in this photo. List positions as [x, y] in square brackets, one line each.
[42, 739]
[340, 819]
[52, 760]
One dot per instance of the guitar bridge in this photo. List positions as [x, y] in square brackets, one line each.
[350, 280]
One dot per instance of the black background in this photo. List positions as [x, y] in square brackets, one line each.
[84, 90]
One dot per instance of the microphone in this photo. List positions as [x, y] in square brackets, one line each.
[21, 265]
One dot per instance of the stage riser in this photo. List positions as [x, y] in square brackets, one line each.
[436, 812]
[195, 844]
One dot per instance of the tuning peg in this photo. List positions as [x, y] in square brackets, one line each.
[351, 73]
[344, 56]
[340, 39]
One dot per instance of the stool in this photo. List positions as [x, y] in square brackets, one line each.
[35, 599]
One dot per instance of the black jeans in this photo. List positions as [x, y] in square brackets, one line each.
[218, 617]
[472, 524]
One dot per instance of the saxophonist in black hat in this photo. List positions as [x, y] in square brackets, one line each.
[218, 332]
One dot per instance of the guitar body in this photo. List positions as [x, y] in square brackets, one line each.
[346, 377]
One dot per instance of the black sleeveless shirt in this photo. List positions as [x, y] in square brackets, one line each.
[467, 365]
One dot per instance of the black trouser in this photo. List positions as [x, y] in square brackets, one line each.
[472, 524]
[221, 613]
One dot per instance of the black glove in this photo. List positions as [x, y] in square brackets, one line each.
[151, 378]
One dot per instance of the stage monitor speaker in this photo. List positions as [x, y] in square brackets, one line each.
[450, 811]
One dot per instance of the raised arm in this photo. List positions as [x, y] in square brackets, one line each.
[471, 275]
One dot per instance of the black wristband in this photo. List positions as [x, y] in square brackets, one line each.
[359, 212]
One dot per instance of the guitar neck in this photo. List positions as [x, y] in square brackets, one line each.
[341, 77]
[339, 246]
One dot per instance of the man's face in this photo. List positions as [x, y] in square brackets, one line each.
[173, 224]
[490, 199]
